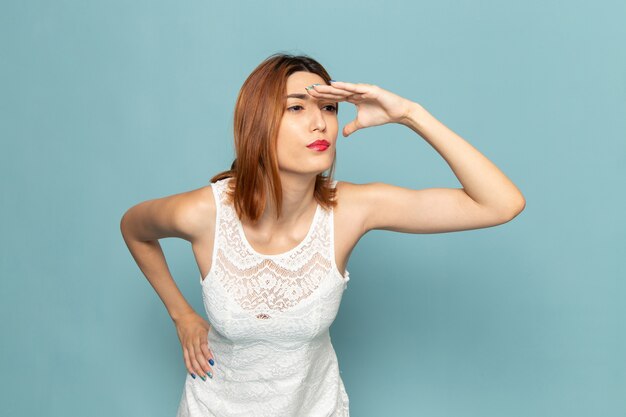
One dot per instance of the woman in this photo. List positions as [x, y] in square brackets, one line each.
[272, 238]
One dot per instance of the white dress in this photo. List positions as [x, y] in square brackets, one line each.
[270, 317]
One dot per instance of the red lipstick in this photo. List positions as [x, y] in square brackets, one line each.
[319, 145]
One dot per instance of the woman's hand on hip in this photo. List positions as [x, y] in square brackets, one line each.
[193, 333]
[375, 105]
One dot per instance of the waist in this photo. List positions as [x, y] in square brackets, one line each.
[265, 360]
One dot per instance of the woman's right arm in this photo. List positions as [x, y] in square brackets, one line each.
[186, 216]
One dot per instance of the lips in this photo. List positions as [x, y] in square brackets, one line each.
[319, 142]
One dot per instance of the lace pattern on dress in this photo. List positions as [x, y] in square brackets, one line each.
[274, 282]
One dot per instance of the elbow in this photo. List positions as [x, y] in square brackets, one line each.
[520, 205]
[124, 224]
[514, 209]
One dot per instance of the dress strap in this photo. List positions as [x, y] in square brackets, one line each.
[216, 187]
[331, 234]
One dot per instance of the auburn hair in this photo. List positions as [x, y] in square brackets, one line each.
[258, 113]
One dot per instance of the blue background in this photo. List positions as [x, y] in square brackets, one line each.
[106, 104]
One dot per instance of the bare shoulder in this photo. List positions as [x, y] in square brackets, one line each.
[349, 192]
[351, 206]
[187, 215]
[195, 214]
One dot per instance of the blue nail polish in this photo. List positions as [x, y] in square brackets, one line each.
[193, 375]
[210, 375]
[211, 362]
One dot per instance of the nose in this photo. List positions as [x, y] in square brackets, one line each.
[318, 121]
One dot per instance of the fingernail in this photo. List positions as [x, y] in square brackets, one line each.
[203, 378]
[210, 375]
[193, 375]
[211, 362]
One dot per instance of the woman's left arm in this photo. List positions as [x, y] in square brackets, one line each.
[487, 198]
[482, 180]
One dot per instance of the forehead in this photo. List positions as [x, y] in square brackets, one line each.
[297, 81]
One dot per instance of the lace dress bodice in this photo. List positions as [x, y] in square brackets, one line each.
[270, 317]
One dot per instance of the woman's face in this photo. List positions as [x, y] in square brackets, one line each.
[304, 121]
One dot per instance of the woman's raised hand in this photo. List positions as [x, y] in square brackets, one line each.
[375, 106]
[193, 333]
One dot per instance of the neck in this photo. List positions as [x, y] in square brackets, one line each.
[298, 202]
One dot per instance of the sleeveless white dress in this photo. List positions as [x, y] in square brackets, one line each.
[270, 317]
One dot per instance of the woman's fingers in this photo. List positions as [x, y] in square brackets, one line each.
[197, 362]
[194, 362]
[190, 368]
[337, 94]
[329, 89]
[208, 354]
[193, 334]
[352, 87]
[203, 360]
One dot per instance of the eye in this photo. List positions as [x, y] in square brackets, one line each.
[332, 107]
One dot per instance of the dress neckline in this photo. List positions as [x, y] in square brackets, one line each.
[242, 235]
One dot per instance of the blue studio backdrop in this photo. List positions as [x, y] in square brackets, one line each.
[104, 104]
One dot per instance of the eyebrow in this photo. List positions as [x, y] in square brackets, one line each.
[304, 97]
[298, 95]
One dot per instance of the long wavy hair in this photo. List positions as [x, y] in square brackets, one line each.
[258, 113]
